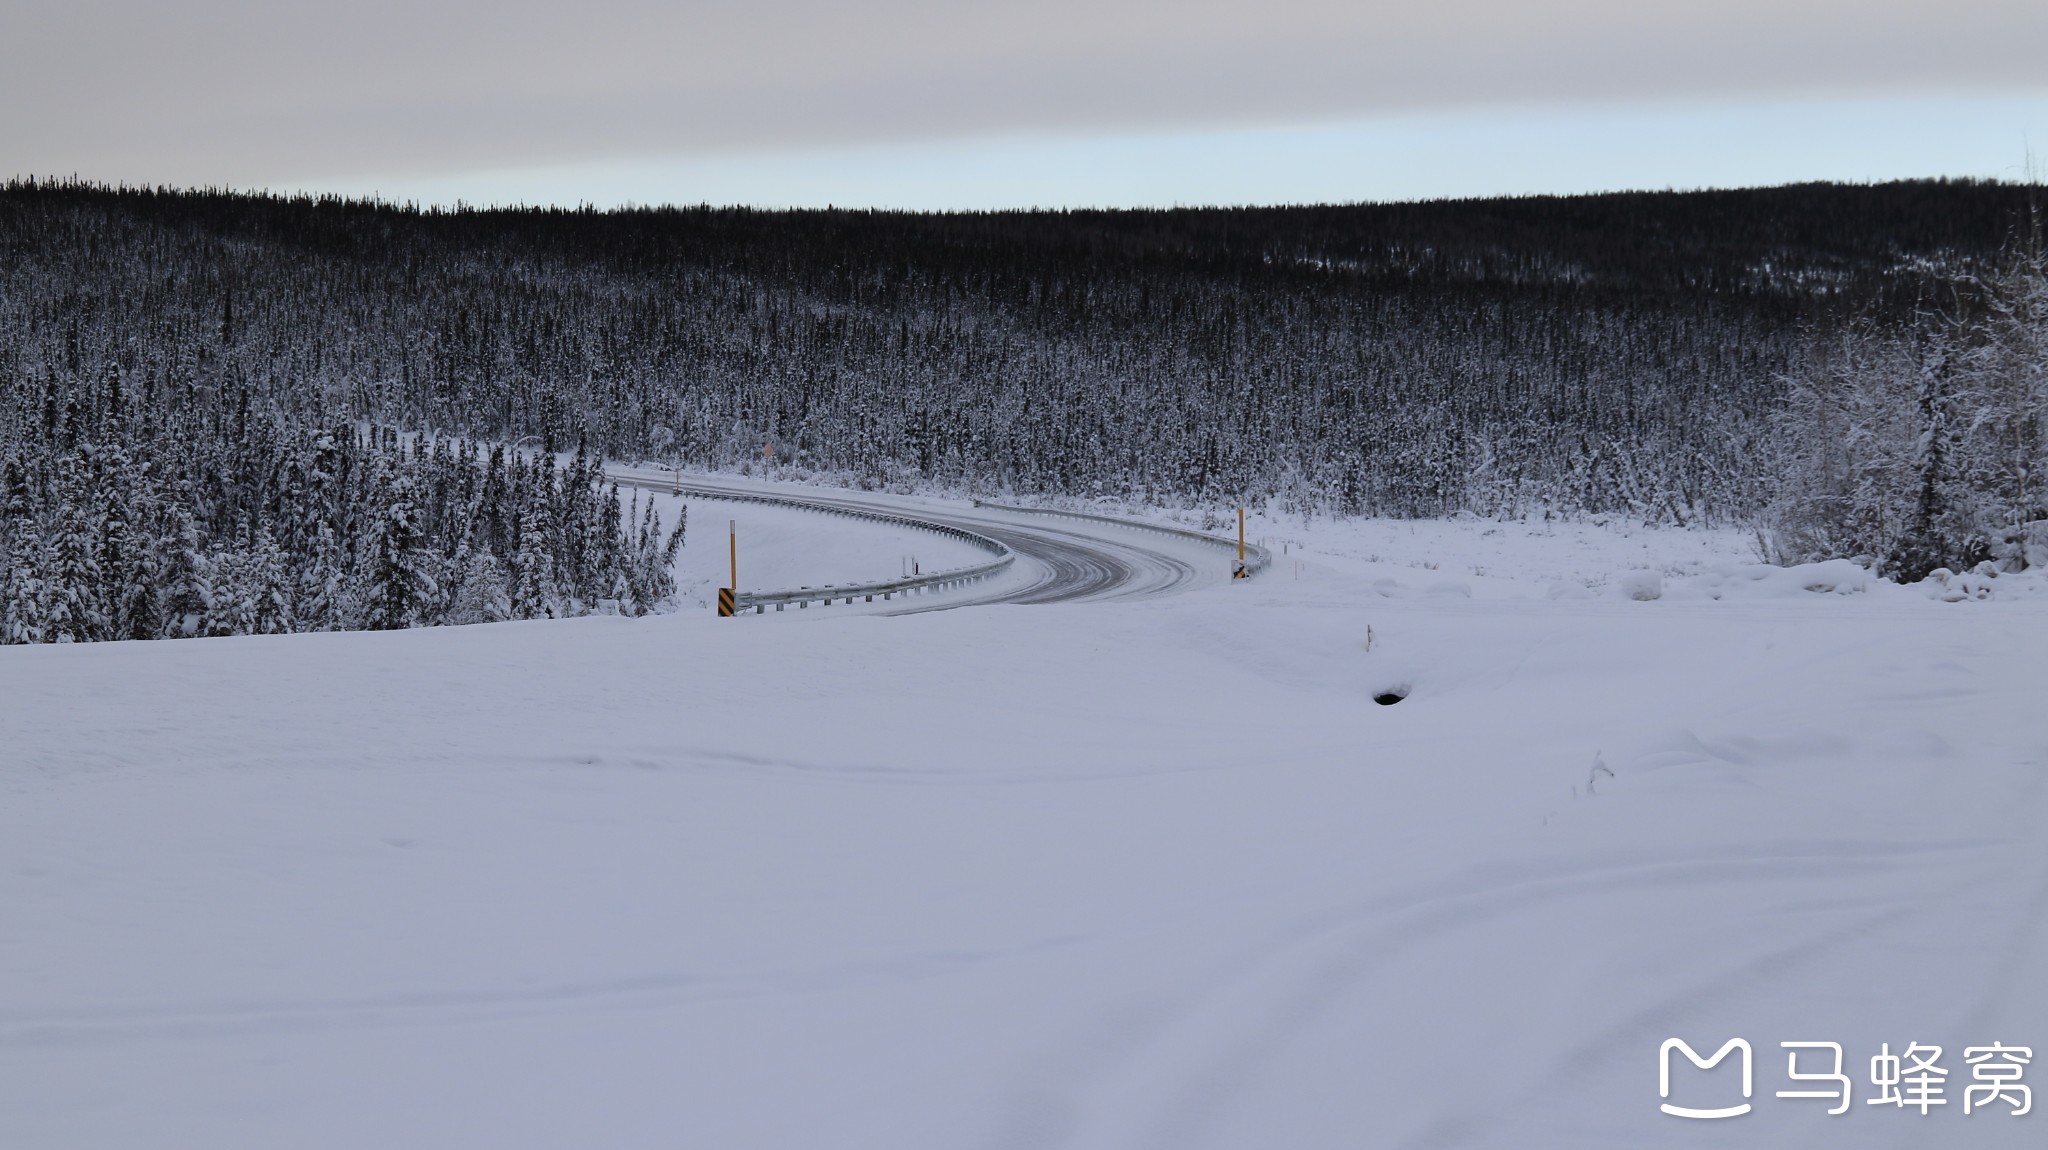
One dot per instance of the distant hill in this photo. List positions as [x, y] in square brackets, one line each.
[1610, 352]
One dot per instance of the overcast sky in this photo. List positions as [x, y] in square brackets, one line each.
[922, 103]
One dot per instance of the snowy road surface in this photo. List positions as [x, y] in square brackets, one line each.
[1058, 559]
[1122, 873]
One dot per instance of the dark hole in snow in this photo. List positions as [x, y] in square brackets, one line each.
[1389, 698]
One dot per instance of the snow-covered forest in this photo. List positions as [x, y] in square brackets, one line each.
[118, 526]
[1924, 445]
[198, 390]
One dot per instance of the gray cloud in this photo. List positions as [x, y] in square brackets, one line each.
[251, 93]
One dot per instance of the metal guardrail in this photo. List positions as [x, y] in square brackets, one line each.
[1256, 558]
[869, 592]
[885, 589]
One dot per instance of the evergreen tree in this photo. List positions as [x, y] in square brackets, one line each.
[139, 604]
[270, 589]
[24, 600]
[400, 585]
[482, 596]
[324, 589]
[534, 594]
[77, 602]
[231, 596]
[1925, 545]
[185, 578]
[17, 501]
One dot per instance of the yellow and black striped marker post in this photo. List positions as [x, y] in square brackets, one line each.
[726, 595]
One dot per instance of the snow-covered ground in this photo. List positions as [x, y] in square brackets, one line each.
[1123, 874]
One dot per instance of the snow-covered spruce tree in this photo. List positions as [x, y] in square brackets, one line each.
[663, 577]
[400, 585]
[230, 596]
[630, 560]
[17, 500]
[24, 599]
[325, 595]
[649, 576]
[131, 550]
[270, 589]
[77, 594]
[186, 576]
[1930, 536]
[574, 523]
[607, 554]
[534, 594]
[481, 596]
[137, 570]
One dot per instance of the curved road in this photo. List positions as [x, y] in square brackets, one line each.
[1058, 559]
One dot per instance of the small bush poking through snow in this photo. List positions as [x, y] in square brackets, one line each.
[1642, 586]
[1764, 581]
[1949, 587]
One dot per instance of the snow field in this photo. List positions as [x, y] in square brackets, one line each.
[1137, 874]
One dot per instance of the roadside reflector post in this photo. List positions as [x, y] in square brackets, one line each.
[727, 595]
[1237, 570]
